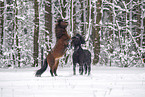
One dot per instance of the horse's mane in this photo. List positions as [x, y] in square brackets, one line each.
[59, 31]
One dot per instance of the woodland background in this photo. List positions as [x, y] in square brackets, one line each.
[114, 30]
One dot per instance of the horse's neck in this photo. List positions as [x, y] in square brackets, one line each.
[60, 28]
[77, 48]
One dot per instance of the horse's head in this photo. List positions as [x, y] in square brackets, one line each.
[77, 40]
[61, 23]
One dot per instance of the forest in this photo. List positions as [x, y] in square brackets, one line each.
[114, 31]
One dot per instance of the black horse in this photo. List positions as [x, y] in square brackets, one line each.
[80, 56]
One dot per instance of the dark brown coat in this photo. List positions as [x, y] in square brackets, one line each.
[62, 41]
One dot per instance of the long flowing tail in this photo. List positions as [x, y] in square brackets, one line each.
[43, 68]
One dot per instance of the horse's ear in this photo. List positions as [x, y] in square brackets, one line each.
[81, 38]
[59, 20]
[73, 37]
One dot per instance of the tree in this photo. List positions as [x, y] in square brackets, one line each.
[36, 33]
[48, 24]
[95, 32]
[8, 37]
[126, 26]
[17, 48]
[114, 30]
[1, 26]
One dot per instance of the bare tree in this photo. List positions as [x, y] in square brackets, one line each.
[36, 34]
[48, 24]
[95, 33]
[16, 39]
[1, 26]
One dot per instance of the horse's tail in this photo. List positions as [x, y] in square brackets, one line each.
[42, 69]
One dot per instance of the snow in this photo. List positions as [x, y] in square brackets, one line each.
[103, 82]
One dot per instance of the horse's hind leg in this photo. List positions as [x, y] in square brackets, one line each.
[51, 61]
[51, 72]
[85, 66]
[55, 66]
[89, 68]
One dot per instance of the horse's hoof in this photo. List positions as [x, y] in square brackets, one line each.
[52, 75]
[37, 75]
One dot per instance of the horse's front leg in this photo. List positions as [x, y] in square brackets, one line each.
[81, 70]
[74, 68]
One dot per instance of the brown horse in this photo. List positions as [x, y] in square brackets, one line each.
[62, 41]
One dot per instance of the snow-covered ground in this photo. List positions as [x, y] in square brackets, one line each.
[103, 82]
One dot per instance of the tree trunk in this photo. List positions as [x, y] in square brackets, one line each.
[96, 35]
[36, 34]
[48, 24]
[71, 16]
[63, 7]
[9, 32]
[144, 33]
[16, 33]
[1, 27]
[89, 20]
[82, 17]
[142, 39]
[139, 25]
